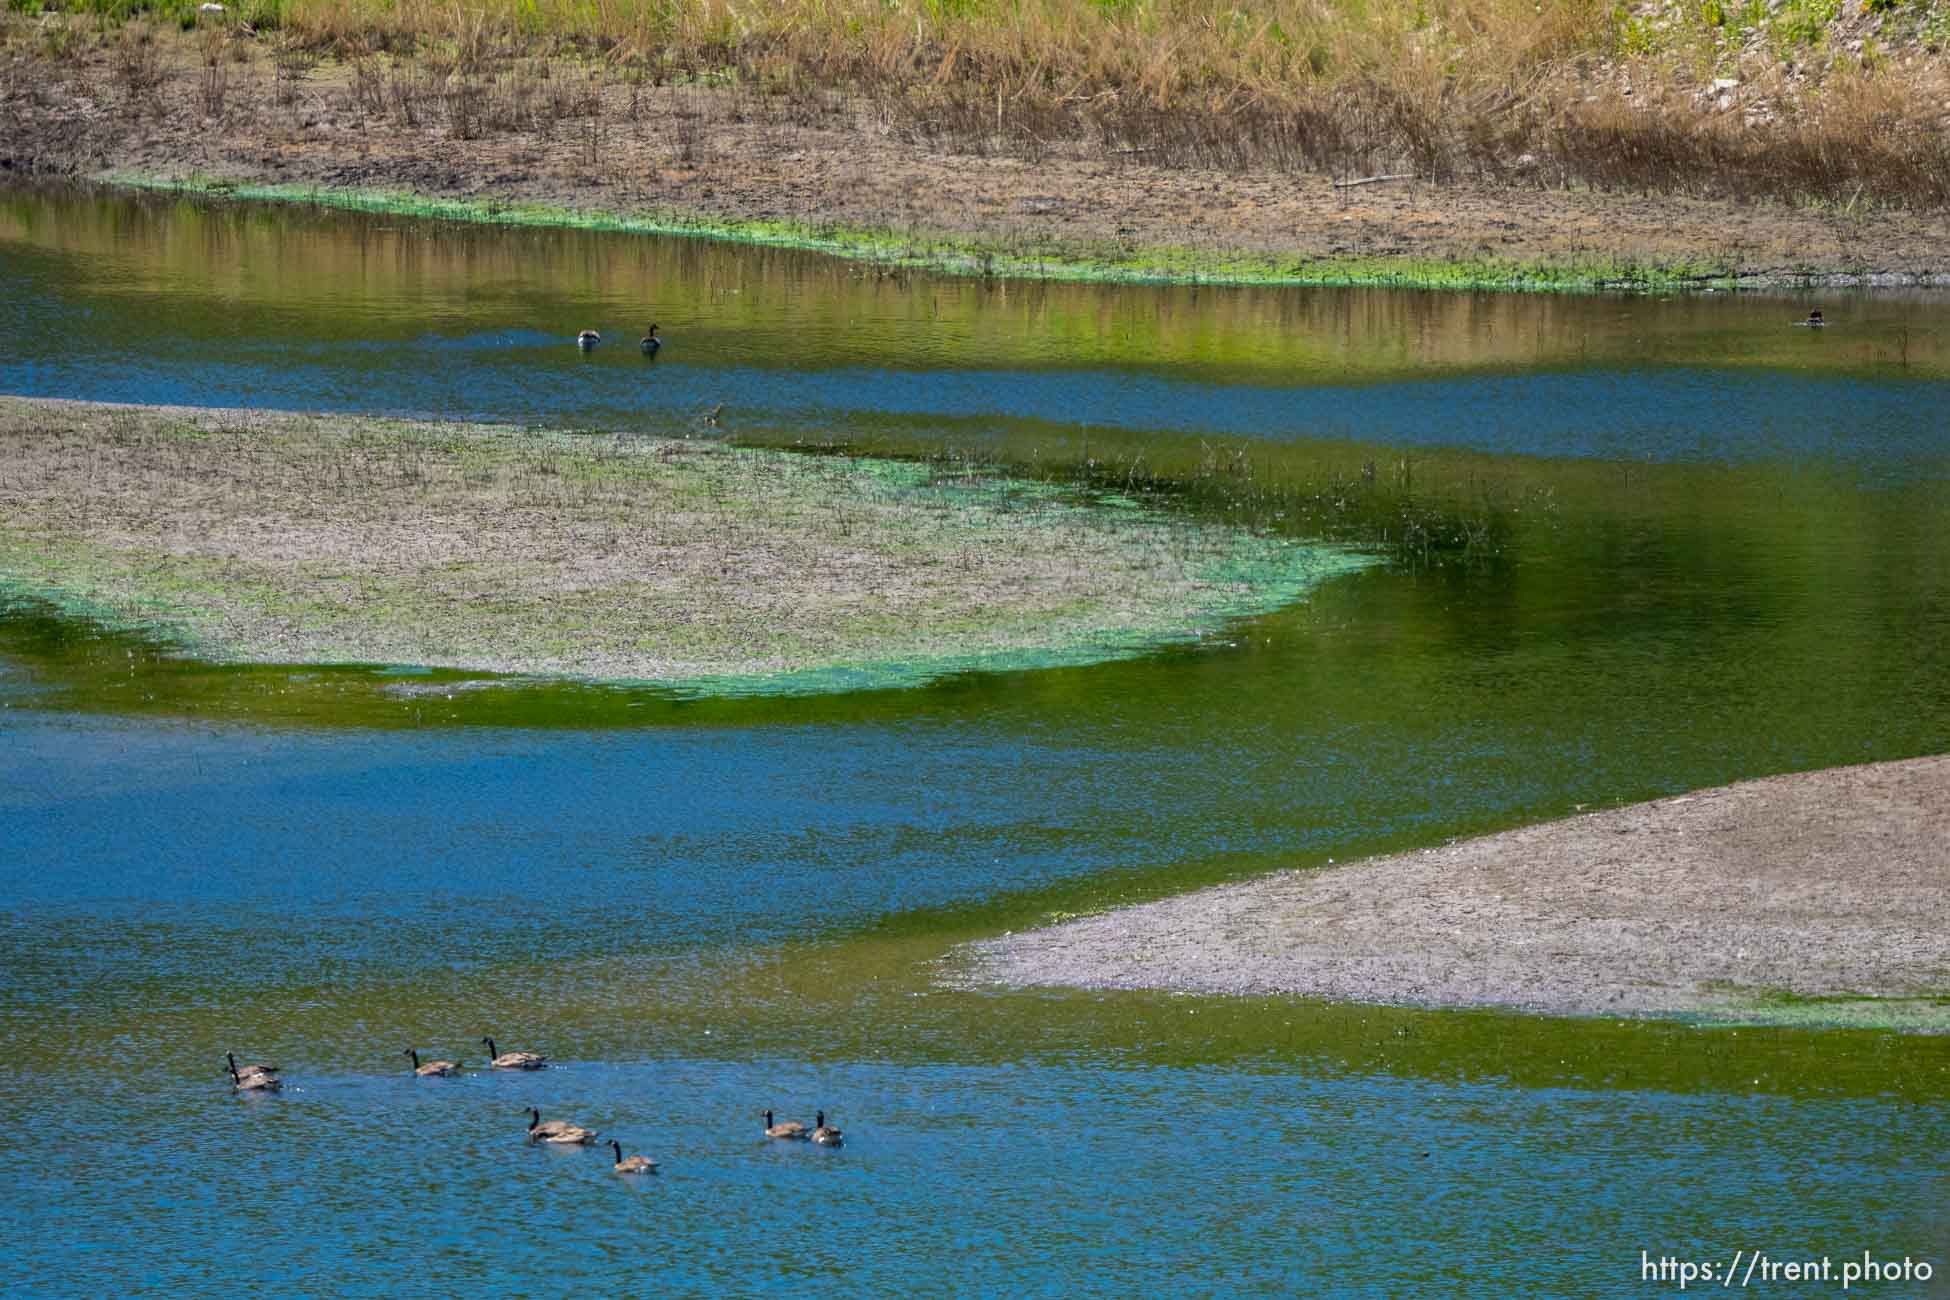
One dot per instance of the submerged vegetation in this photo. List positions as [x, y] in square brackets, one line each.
[249, 537]
[1820, 100]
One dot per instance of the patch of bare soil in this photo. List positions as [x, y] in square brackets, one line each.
[1820, 885]
[738, 155]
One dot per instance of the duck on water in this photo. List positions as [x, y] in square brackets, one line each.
[588, 339]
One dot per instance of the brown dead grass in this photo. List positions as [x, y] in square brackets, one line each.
[574, 134]
[1558, 92]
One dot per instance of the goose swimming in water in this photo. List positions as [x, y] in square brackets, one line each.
[651, 342]
[825, 1134]
[236, 1069]
[432, 1069]
[588, 339]
[631, 1164]
[791, 1130]
[514, 1060]
[558, 1131]
[256, 1082]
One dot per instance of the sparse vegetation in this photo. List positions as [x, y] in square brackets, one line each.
[898, 251]
[702, 566]
[1791, 99]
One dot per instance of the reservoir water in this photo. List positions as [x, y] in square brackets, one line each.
[1631, 546]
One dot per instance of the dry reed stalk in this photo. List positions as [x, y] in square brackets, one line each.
[1560, 92]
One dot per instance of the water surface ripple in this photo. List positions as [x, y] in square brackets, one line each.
[1714, 547]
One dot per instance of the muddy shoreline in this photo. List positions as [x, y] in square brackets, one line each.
[1819, 897]
[729, 163]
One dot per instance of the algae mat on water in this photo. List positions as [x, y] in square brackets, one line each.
[281, 538]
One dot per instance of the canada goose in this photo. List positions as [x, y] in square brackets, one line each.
[1814, 321]
[711, 416]
[588, 339]
[432, 1069]
[256, 1082]
[651, 342]
[792, 1129]
[247, 1069]
[514, 1060]
[556, 1130]
[631, 1164]
[825, 1134]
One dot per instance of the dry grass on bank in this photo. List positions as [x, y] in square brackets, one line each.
[1830, 100]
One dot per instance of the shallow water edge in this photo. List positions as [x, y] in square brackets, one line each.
[941, 253]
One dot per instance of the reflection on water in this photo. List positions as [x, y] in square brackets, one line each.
[328, 310]
[1719, 551]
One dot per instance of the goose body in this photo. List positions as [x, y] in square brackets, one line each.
[432, 1069]
[558, 1131]
[651, 342]
[256, 1082]
[588, 339]
[631, 1164]
[514, 1060]
[237, 1069]
[791, 1130]
[825, 1134]
[1814, 321]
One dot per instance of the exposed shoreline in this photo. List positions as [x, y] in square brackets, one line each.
[713, 163]
[1013, 255]
[261, 537]
[1818, 897]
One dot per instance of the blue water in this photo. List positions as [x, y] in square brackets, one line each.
[796, 353]
[702, 909]
[963, 1180]
[1666, 414]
